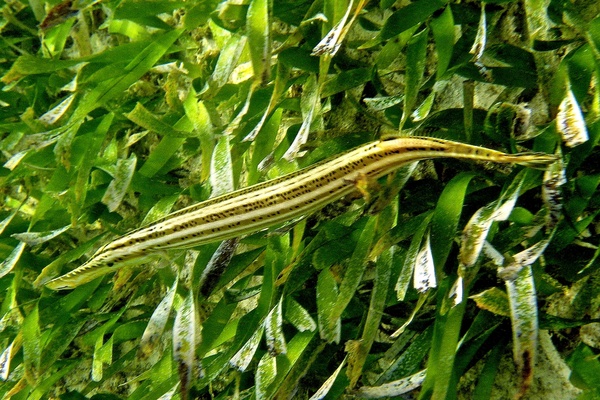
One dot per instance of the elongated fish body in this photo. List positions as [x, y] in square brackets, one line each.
[282, 199]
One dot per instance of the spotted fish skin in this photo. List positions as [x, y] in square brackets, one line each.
[282, 199]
